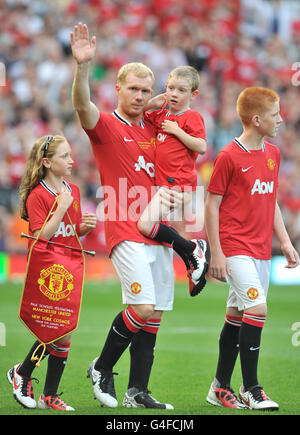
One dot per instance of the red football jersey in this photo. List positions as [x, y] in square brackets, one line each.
[124, 154]
[247, 180]
[174, 162]
[39, 203]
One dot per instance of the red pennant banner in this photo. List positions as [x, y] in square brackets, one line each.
[51, 298]
[52, 292]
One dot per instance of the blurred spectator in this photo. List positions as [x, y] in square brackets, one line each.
[232, 43]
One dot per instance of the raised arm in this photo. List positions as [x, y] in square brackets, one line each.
[83, 51]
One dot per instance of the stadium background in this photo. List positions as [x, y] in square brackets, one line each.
[233, 44]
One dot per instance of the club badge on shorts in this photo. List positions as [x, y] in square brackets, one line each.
[136, 288]
[252, 293]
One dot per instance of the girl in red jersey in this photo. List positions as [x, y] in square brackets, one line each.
[48, 164]
[241, 215]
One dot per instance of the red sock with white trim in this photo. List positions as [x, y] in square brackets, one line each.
[126, 324]
[142, 354]
[249, 340]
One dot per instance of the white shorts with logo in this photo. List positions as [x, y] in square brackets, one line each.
[249, 281]
[146, 274]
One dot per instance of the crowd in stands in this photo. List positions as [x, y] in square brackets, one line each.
[232, 43]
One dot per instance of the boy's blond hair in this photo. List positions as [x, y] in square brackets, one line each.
[189, 73]
[137, 68]
[253, 101]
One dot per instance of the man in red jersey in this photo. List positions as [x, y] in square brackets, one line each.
[123, 144]
[241, 216]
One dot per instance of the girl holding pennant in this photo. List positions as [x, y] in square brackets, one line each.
[54, 278]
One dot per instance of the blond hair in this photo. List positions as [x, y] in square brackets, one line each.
[253, 101]
[35, 171]
[137, 68]
[187, 72]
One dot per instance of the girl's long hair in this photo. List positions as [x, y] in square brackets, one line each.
[35, 171]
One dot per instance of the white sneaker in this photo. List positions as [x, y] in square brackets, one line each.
[22, 388]
[135, 398]
[197, 259]
[103, 385]
[257, 399]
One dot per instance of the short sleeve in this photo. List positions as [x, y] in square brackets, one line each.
[195, 126]
[221, 175]
[36, 210]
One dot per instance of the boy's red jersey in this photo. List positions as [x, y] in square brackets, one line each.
[247, 180]
[174, 162]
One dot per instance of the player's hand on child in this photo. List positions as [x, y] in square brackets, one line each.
[291, 255]
[170, 198]
[158, 101]
[83, 49]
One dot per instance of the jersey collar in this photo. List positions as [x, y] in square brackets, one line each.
[124, 121]
[176, 114]
[245, 148]
[45, 185]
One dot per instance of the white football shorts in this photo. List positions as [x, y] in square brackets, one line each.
[146, 274]
[249, 281]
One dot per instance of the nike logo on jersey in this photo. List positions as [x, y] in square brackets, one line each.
[246, 169]
[128, 140]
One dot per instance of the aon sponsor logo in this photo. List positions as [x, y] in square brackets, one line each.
[262, 187]
[161, 137]
[148, 167]
[65, 230]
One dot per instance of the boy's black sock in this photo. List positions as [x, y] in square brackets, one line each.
[249, 340]
[181, 246]
[228, 352]
[141, 359]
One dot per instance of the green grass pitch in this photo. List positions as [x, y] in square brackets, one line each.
[186, 352]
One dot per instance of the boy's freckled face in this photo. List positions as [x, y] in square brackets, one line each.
[179, 94]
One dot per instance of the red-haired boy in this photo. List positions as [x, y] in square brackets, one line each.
[241, 216]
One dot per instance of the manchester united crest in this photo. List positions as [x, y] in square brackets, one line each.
[76, 205]
[55, 282]
[252, 293]
[136, 288]
[271, 164]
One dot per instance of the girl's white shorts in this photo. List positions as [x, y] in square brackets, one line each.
[146, 274]
[249, 281]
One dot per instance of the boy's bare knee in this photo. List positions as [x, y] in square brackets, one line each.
[143, 310]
